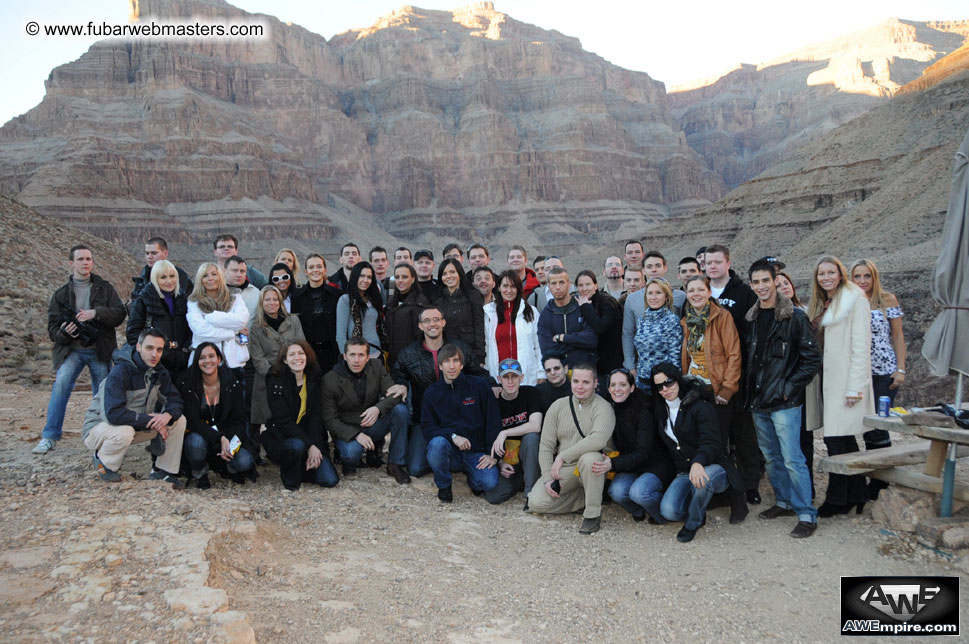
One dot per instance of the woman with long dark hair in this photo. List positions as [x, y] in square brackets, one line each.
[404, 310]
[164, 305]
[462, 307]
[281, 276]
[360, 311]
[841, 317]
[294, 436]
[603, 314]
[643, 468]
[215, 419]
[687, 424]
[511, 331]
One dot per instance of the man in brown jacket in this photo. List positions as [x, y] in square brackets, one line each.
[566, 447]
[361, 403]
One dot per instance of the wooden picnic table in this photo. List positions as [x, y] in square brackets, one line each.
[895, 464]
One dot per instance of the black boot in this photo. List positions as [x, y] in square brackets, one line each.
[738, 507]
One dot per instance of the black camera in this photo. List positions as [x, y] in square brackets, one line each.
[86, 333]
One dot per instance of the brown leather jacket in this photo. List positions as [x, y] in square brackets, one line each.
[721, 344]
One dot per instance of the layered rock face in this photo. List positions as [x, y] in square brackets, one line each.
[877, 187]
[747, 120]
[466, 123]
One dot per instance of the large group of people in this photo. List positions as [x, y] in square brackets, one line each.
[573, 392]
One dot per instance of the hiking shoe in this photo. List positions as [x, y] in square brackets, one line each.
[162, 475]
[590, 525]
[45, 445]
[445, 494]
[803, 530]
[203, 482]
[775, 511]
[399, 473]
[104, 473]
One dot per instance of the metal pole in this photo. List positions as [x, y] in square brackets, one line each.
[949, 473]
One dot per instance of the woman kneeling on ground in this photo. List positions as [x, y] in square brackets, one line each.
[215, 420]
[294, 436]
[643, 467]
[688, 427]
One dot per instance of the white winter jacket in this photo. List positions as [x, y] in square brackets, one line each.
[526, 333]
[220, 328]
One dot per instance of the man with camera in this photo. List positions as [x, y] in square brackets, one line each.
[80, 320]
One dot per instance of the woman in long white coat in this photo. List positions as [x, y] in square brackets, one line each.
[215, 315]
[512, 331]
[841, 316]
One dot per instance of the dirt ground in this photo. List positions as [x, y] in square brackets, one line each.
[371, 561]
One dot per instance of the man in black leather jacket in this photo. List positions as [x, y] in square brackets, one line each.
[782, 357]
[416, 366]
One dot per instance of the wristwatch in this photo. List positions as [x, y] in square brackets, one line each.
[453, 436]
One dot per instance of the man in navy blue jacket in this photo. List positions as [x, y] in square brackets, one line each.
[460, 421]
[137, 402]
[562, 331]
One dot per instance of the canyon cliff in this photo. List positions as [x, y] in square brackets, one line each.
[466, 123]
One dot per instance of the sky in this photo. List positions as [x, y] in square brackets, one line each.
[674, 42]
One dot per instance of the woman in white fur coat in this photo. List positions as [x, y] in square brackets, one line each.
[841, 316]
[512, 332]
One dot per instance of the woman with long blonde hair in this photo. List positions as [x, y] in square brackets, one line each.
[215, 315]
[888, 352]
[840, 314]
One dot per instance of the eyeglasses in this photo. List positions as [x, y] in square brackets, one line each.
[511, 366]
[666, 384]
[432, 320]
[280, 278]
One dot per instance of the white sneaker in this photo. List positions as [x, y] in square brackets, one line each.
[45, 445]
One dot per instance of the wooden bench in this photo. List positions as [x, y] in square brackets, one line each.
[866, 461]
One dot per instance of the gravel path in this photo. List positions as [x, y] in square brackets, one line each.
[371, 561]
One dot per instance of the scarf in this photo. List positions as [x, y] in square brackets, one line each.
[696, 326]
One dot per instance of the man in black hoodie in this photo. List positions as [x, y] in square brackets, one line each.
[137, 402]
[156, 249]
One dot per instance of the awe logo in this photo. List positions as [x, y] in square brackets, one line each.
[899, 601]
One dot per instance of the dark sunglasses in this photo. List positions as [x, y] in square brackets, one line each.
[666, 384]
[619, 370]
[280, 278]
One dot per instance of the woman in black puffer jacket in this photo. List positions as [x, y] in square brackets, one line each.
[687, 424]
[643, 466]
[163, 305]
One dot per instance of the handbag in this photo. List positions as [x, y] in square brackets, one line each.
[613, 454]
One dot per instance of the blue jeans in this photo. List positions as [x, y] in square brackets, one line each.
[67, 374]
[396, 422]
[197, 452]
[291, 455]
[417, 452]
[638, 493]
[444, 457]
[779, 437]
[683, 501]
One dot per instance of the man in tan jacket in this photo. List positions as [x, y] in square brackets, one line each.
[566, 446]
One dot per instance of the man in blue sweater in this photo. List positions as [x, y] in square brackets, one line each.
[460, 421]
